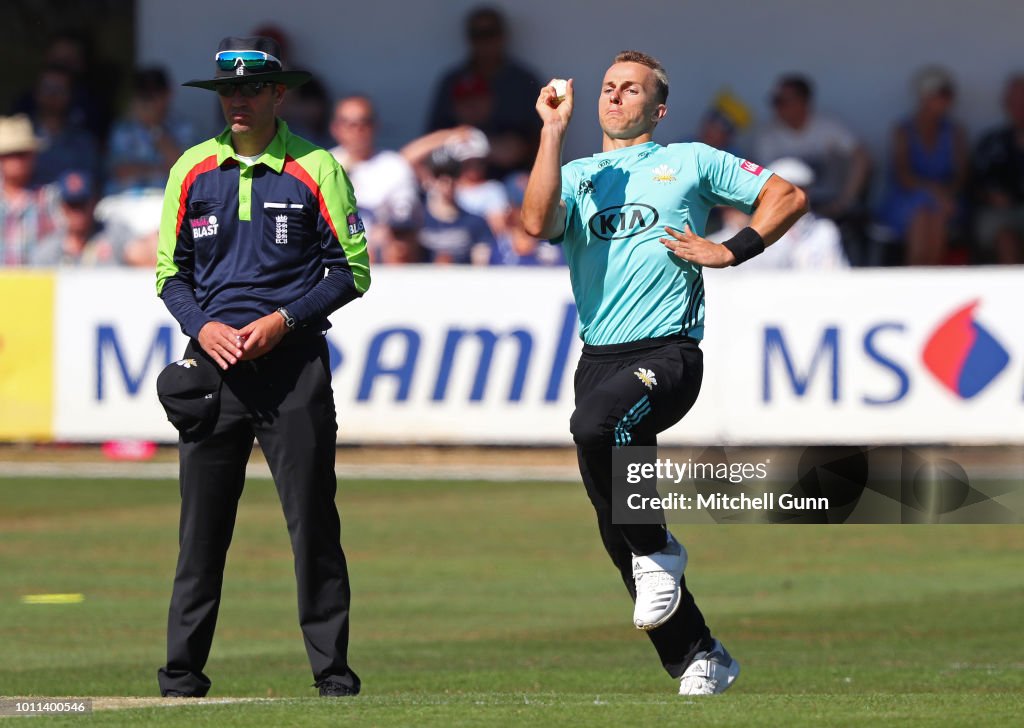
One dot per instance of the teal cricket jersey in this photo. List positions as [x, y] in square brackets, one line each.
[627, 285]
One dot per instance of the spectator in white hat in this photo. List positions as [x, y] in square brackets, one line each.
[813, 243]
[475, 193]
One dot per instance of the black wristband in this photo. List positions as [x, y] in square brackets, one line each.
[745, 244]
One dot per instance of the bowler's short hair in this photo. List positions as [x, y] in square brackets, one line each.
[660, 77]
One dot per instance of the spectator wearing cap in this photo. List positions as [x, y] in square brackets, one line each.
[720, 126]
[724, 121]
[384, 182]
[492, 91]
[999, 181]
[515, 246]
[27, 213]
[474, 191]
[65, 144]
[82, 240]
[67, 245]
[840, 162]
[928, 165]
[450, 234]
[145, 143]
[88, 240]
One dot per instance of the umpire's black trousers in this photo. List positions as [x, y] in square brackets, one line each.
[285, 400]
[625, 395]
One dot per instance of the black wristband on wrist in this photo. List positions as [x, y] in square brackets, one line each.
[745, 244]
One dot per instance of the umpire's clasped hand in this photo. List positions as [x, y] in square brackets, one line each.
[262, 335]
[222, 342]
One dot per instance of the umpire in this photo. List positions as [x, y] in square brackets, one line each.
[260, 241]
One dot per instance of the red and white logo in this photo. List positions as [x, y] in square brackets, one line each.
[754, 169]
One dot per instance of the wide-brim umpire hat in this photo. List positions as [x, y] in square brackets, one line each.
[189, 390]
[262, 64]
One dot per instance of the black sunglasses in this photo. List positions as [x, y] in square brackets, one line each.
[248, 90]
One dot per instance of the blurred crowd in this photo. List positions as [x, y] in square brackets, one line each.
[79, 186]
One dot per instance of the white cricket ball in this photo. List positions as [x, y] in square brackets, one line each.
[559, 84]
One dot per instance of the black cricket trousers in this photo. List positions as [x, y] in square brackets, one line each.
[283, 399]
[625, 395]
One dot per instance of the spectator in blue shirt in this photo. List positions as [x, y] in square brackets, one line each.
[449, 233]
[65, 145]
[145, 144]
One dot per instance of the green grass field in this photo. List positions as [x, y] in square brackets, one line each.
[493, 604]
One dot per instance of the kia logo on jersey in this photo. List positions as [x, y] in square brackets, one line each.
[623, 221]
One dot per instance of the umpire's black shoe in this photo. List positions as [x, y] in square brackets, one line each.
[335, 688]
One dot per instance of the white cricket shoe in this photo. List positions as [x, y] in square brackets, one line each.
[657, 578]
[711, 672]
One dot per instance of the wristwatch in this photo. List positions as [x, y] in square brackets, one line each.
[289, 320]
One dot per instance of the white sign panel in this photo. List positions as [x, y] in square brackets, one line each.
[875, 356]
[457, 355]
[113, 336]
[443, 355]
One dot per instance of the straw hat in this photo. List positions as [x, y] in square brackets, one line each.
[16, 135]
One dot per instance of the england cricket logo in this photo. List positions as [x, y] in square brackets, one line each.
[281, 230]
[647, 377]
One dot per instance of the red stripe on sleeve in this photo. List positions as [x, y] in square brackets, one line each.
[186, 184]
[295, 170]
